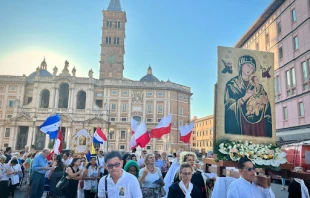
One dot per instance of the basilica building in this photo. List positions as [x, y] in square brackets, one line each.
[109, 101]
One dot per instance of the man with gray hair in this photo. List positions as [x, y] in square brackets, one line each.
[118, 183]
[39, 167]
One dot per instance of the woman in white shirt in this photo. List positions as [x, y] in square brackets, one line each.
[150, 178]
[90, 177]
[14, 172]
[4, 179]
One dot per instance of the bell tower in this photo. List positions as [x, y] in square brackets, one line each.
[112, 42]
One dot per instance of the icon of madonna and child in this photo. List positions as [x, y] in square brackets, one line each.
[247, 107]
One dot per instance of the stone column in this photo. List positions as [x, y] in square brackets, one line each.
[56, 98]
[153, 145]
[169, 99]
[117, 137]
[36, 95]
[13, 134]
[68, 138]
[72, 98]
[144, 106]
[52, 98]
[154, 111]
[30, 131]
[47, 139]
[88, 99]
[119, 106]
[129, 105]
[2, 131]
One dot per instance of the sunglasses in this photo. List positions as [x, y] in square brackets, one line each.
[186, 174]
[116, 165]
[250, 169]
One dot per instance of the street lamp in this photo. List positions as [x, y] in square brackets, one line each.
[34, 119]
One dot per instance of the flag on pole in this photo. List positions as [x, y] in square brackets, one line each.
[133, 144]
[185, 132]
[99, 137]
[134, 124]
[90, 152]
[141, 135]
[162, 128]
[133, 127]
[57, 149]
[50, 126]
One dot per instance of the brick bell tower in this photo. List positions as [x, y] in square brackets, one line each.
[112, 43]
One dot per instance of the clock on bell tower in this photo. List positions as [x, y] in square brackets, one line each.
[112, 43]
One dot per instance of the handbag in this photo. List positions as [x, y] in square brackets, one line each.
[162, 189]
[62, 183]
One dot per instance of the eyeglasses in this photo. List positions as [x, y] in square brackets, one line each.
[116, 165]
[250, 169]
[186, 174]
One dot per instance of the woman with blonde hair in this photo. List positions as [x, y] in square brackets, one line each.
[150, 178]
[198, 178]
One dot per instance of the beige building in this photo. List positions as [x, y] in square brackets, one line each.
[108, 102]
[202, 136]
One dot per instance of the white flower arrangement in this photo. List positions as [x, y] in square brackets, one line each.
[260, 154]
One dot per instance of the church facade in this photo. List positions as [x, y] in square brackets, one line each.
[108, 102]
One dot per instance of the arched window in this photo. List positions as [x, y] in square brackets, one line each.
[137, 118]
[81, 100]
[45, 98]
[63, 95]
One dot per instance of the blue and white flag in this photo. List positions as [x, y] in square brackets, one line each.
[50, 126]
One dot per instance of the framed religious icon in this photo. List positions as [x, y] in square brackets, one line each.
[81, 141]
[245, 106]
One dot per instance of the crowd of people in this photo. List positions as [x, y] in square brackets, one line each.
[112, 174]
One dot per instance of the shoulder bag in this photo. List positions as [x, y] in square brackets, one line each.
[106, 186]
[63, 182]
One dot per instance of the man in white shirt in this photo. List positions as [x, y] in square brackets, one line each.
[100, 159]
[245, 185]
[141, 159]
[120, 184]
[67, 159]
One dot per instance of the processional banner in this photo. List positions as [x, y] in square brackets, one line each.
[245, 101]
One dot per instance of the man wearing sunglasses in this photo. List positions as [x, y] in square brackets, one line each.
[118, 183]
[245, 185]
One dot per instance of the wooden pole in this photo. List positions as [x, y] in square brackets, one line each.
[214, 116]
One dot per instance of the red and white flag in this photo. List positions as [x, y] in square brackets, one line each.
[57, 149]
[186, 132]
[141, 135]
[133, 144]
[162, 128]
[134, 124]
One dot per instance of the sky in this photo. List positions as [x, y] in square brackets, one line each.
[178, 38]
